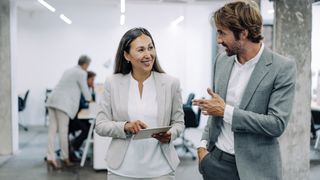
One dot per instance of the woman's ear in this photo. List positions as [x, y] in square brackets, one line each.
[126, 55]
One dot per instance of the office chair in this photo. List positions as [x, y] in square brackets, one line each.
[21, 106]
[191, 120]
[315, 126]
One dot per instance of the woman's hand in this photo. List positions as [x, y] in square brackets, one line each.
[163, 137]
[134, 126]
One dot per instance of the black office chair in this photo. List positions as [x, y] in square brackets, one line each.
[315, 126]
[191, 120]
[21, 106]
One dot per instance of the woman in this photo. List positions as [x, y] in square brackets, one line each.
[140, 95]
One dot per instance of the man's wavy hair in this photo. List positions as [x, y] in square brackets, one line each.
[239, 16]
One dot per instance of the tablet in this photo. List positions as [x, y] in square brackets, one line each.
[147, 133]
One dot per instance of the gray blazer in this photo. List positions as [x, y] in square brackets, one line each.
[66, 95]
[113, 113]
[262, 116]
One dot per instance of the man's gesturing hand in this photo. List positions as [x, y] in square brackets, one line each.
[214, 106]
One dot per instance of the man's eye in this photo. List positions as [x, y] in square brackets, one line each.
[150, 48]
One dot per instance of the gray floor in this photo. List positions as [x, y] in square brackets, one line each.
[28, 164]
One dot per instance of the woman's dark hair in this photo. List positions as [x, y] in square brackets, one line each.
[121, 64]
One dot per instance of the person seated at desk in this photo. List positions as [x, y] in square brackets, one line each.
[137, 96]
[81, 124]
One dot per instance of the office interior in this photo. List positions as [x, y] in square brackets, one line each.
[43, 46]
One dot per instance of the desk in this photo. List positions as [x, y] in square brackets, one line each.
[100, 144]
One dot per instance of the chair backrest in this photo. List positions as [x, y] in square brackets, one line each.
[189, 100]
[191, 119]
[22, 102]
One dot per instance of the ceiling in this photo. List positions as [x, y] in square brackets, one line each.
[33, 5]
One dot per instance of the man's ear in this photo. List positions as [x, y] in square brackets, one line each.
[126, 55]
[244, 34]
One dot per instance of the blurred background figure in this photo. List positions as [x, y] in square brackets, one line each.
[83, 125]
[63, 104]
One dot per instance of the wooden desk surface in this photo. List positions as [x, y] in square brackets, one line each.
[89, 113]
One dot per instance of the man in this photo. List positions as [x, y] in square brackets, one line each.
[251, 103]
[82, 125]
[63, 103]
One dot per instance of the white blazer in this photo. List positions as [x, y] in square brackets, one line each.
[113, 114]
[66, 95]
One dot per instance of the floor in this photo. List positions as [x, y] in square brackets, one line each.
[28, 164]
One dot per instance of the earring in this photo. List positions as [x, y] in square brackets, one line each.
[128, 62]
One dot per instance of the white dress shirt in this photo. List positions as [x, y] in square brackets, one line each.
[239, 78]
[144, 158]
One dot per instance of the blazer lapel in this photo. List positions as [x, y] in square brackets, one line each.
[259, 72]
[161, 94]
[123, 96]
[224, 77]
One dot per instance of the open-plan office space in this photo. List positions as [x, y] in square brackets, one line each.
[40, 39]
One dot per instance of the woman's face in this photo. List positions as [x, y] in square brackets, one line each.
[142, 54]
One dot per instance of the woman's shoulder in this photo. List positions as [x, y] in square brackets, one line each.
[166, 78]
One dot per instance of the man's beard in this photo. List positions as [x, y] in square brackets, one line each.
[234, 49]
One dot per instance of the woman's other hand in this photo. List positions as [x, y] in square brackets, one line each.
[163, 137]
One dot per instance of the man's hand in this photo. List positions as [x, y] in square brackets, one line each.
[202, 152]
[134, 126]
[163, 137]
[214, 106]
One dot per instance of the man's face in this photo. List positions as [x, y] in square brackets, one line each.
[90, 81]
[226, 38]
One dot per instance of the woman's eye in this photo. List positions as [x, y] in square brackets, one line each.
[151, 47]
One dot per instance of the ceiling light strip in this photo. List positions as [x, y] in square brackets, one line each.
[178, 20]
[65, 19]
[47, 5]
[123, 6]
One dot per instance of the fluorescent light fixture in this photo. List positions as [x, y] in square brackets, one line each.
[270, 11]
[47, 5]
[65, 19]
[177, 21]
[122, 19]
[122, 6]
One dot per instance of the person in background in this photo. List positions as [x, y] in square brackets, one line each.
[83, 125]
[140, 95]
[251, 102]
[63, 104]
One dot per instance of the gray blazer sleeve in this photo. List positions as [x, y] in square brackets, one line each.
[177, 114]
[279, 107]
[84, 86]
[105, 126]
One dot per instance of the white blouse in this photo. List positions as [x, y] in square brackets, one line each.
[144, 158]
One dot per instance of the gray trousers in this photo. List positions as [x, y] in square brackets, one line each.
[218, 165]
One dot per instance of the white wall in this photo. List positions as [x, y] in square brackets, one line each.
[47, 46]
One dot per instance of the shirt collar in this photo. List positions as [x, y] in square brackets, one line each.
[145, 82]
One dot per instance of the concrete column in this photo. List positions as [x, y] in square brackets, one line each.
[8, 104]
[292, 38]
